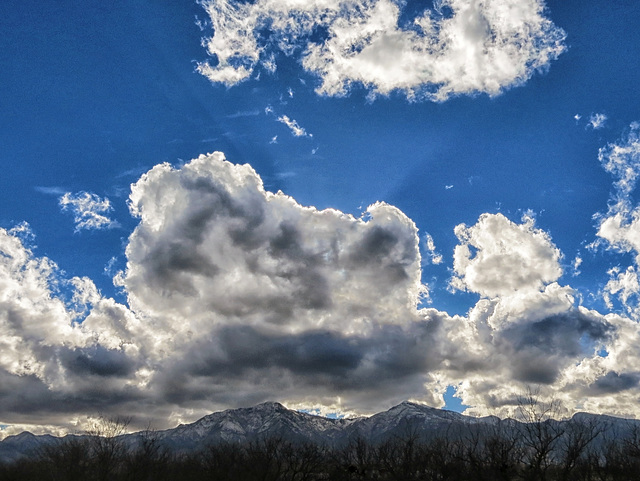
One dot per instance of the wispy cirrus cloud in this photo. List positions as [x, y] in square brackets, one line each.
[457, 48]
[50, 190]
[89, 210]
[295, 128]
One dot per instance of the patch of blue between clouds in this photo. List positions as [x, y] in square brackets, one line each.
[451, 402]
[316, 412]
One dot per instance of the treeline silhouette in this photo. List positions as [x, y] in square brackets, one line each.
[535, 447]
[544, 451]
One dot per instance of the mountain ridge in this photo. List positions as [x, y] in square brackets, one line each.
[272, 419]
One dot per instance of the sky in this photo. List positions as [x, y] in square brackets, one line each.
[334, 204]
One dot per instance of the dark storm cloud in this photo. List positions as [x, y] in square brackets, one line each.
[567, 334]
[298, 365]
[24, 398]
[172, 264]
[382, 247]
[542, 349]
[97, 361]
[613, 383]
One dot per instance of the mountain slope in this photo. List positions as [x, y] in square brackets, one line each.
[271, 419]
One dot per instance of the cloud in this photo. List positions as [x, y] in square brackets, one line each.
[296, 130]
[619, 227]
[458, 48]
[498, 257]
[237, 295]
[253, 297]
[88, 210]
[51, 358]
[50, 190]
[430, 246]
[244, 113]
[622, 161]
[210, 223]
[577, 262]
[248, 290]
[597, 121]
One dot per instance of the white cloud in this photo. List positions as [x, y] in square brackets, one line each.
[577, 262]
[482, 47]
[622, 160]
[214, 224]
[50, 361]
[430, 247]
[619, 228]
[296, 130]
[625, 285]
[497, 257]
[89, 210]
[597, 121]
[312, 304]
[238, 295]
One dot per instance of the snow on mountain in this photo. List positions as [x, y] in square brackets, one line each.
[261, 421]
[272, 419]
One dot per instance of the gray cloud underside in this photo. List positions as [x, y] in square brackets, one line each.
[237, 295]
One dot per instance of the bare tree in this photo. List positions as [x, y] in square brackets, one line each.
[106, 447]
[148, 459]
[578, 436]
[540, 434]
[68, 460]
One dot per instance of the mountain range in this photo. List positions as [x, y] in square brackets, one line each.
[272, 419]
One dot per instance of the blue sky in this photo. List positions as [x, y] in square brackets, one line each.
[496, 145]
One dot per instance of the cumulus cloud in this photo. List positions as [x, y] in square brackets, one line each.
[497, 257]
[210, 232]
[237, 295]
[526, 329]
[619, 227]
[89, 210]
[622, 160]
[457, 48]
[51, 362]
